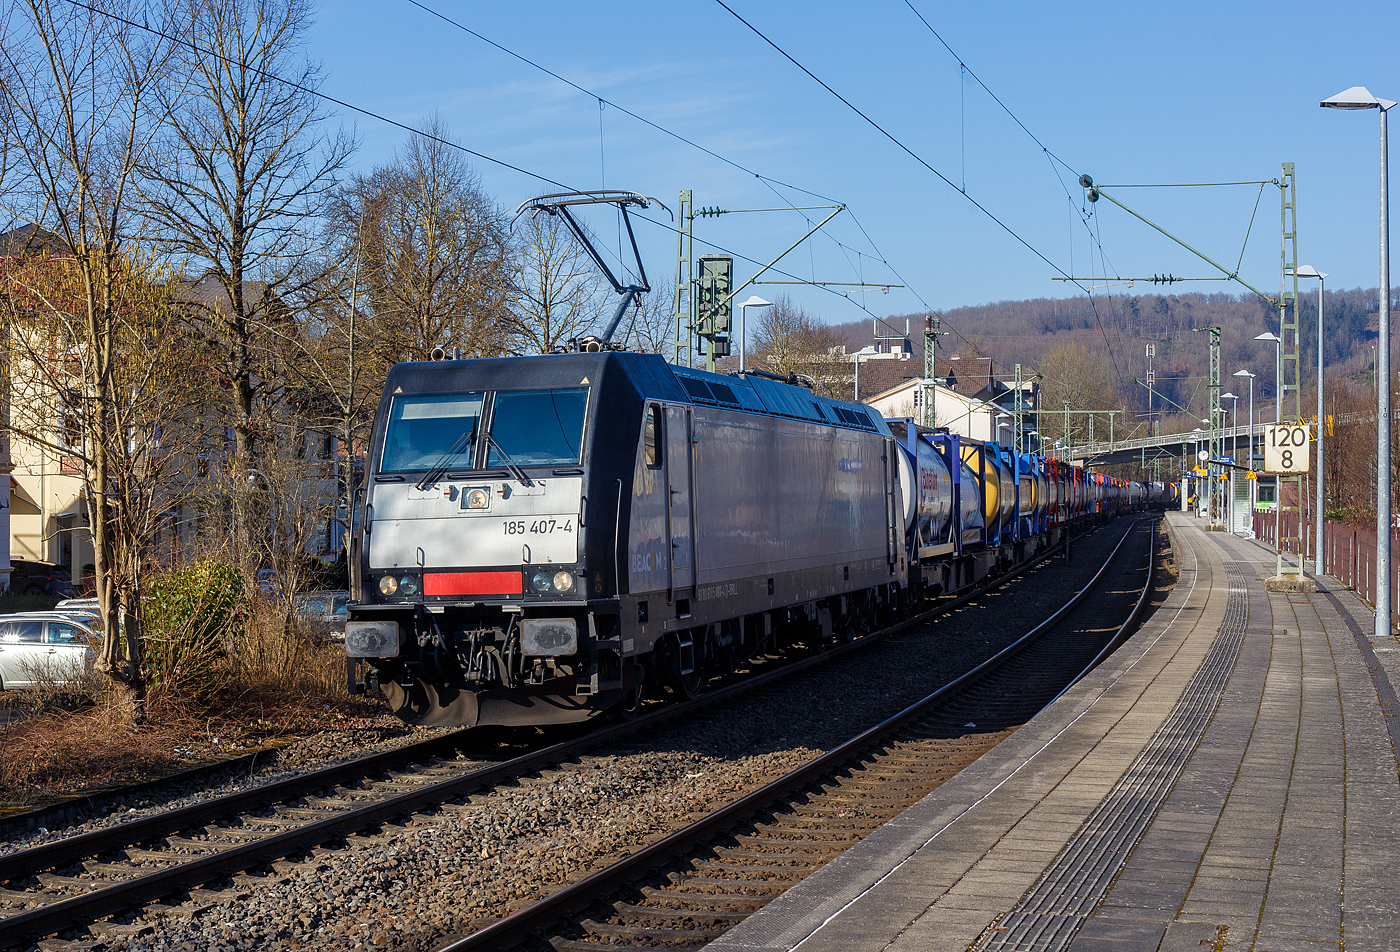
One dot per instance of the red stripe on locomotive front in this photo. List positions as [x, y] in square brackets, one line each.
[473, 583]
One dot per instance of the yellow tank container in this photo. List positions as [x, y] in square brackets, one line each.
[990, 482]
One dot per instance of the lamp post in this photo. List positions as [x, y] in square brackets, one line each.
[1278, 372]
[1195, 464]
[753, 301]
[1250, 461]
[1358, 97]
[1308, 271]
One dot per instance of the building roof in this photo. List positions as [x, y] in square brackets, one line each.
[882, 372]
[30, 239]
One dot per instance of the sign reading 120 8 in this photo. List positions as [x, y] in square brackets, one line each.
[536, 526]
[1287, 449]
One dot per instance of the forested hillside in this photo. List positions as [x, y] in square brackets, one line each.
[1120, 327]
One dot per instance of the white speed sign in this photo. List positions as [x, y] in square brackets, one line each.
[1287, 449]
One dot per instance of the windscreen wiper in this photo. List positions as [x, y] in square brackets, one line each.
[515, 470]
[453, 451]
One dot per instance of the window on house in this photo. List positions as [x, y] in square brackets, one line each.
[70, 419]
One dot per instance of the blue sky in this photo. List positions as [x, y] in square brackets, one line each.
[1129, 93]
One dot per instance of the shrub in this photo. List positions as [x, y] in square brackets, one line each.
[190, 613]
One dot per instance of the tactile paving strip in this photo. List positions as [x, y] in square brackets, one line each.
[1052, 911]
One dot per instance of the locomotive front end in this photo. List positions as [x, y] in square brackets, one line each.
[472, 577]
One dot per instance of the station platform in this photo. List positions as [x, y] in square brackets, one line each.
[1226, 780]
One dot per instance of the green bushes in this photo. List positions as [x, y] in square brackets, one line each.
[190, 615]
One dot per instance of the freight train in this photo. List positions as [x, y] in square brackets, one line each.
[544, 539]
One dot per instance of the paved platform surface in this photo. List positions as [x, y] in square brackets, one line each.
[1227, 780]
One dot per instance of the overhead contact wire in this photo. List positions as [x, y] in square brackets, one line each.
[768, 180]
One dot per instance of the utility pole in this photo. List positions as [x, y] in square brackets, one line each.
[931, 333]
[1216, 436]
[1019, 437]
[1069, 448]
[1151, 381]
[1290, 380]
[681, 354]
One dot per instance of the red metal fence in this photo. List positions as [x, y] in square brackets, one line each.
[1349, 554]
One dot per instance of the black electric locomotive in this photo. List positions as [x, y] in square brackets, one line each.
[541, 536]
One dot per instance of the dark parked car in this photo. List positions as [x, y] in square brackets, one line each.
[40, 578]
[324, 610]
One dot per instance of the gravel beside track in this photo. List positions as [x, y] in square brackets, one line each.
[321, 749]
[409, 886]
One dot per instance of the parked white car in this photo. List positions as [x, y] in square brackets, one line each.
[40, 650]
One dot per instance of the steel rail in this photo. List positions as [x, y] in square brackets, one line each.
[88, 907]
[202, 870]
[63, 810]
[516, 927]
[1119, 636]
[25, 862]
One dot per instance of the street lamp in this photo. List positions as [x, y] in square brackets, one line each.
[1278, 372]
[1003, 422]
[1359, 97]
[753, 301]
[1250, 460]
[1308, 271]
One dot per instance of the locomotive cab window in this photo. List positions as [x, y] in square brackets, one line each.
[428, 430]
[538, 427]
[652, 437]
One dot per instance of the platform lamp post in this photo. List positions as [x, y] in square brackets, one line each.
[1308, 271]
[1195, 464]
[1229, 506]
[1278, 372]
[1359, 97]
[1250, 460]
[753, 301]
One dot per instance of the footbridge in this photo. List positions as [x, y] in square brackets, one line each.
[1234, 442]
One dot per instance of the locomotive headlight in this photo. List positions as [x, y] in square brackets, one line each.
[563, 581]
[408, 585]
[477, 499]
[388, 585]
[540, 583]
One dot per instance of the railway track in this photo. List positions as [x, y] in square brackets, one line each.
[83, 879]
[703, 879]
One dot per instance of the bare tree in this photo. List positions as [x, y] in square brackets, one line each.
[651, 327]
[789, 340]
[243, 169]
[435, 258]
[558, 291]
[74, 94]
[332, 381]
[1075, 375]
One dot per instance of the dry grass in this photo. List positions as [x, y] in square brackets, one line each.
[276, 681]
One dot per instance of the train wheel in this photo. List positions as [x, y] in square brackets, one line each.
[692, 685]
[630, 706]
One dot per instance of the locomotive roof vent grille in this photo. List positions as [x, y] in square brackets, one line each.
[723, 393]
[696, 388]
